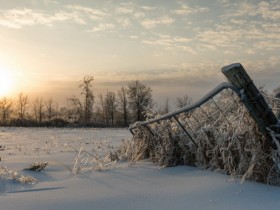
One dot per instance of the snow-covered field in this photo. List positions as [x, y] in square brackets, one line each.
[140, 186]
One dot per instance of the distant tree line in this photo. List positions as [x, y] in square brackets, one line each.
[112, 109]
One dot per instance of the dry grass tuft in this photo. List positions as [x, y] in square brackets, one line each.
[14, 175]
[86, 162]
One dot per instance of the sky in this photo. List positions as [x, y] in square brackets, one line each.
[176, 47]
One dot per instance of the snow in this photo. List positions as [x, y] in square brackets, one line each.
[140, 186]
[231, 66]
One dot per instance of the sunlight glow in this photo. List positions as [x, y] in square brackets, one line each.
[6, 82]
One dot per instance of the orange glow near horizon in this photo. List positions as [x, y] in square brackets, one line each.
[6, 81]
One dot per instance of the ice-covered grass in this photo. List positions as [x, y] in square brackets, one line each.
[218, 135]
[75, 176]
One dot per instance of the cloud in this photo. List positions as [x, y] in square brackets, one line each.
[187, 10]
[102, 27]
[240, 9]
[255, 36]
[229, 52]
[268, 10]
[16, 18]
[134, 37]
[125, 22]
[20, 17]
[181, 74]
[139, 15]
[221, 36]
[239, 22]
[250, 52]
[171, 42]
[124, 10]
[167, 40]
[94, 14]
[64, 16]
[267, 44]
[49, 2]
[147, 8]
[152, 23]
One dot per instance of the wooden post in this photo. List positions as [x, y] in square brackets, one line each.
[252, 98]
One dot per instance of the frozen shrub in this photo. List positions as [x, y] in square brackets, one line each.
[222, 136]
[38, 166]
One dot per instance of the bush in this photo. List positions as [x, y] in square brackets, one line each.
[227, 140]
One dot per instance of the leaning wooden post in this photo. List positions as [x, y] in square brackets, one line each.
[252, 99]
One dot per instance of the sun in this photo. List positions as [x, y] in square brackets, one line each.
[6, 82]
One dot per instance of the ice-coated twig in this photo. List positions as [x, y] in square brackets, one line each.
[14, 175]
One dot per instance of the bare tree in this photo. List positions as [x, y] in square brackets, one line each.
[103, 109]
[140, 98]
[183, 101]
[123, 103]
[165, 108]
[75, 109]
[5, 108]
[51, 108]
[86, 86]
[65, 112]
[21, 106]
[38, 109]
[111, 105]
